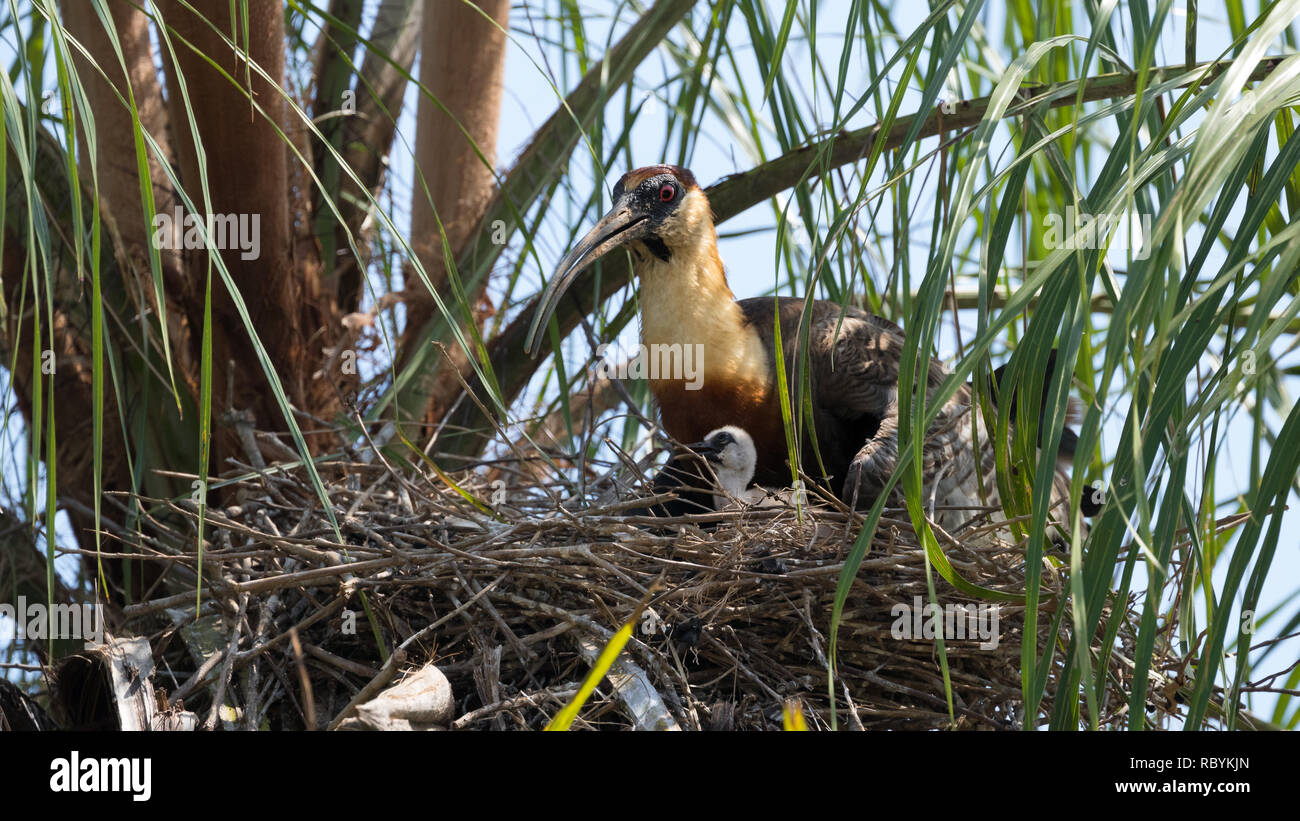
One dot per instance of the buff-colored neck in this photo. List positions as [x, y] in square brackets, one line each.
[686, 300]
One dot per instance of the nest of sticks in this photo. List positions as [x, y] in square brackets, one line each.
[510, 584]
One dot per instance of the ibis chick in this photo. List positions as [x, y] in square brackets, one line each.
[731, 454]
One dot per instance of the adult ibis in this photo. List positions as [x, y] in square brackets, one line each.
[661, 215]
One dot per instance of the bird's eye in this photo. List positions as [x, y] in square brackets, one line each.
[666, 192]
[724, 439]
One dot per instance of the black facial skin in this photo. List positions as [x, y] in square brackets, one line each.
[657, 247]
[711, 449]
[656, 197]
[636, 220]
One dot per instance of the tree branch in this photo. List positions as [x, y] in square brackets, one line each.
[537, 168]
[739, 192]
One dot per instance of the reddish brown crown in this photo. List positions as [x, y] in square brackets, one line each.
[637, 176]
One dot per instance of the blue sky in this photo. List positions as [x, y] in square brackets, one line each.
[751, 255]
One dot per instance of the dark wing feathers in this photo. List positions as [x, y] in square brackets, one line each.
[855, 400]
[854, 390]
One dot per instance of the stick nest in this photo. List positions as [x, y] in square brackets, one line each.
[513, 601]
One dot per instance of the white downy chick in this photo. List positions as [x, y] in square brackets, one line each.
[731, 454]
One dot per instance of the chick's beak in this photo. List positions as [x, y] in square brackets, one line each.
[709, 452]
[624, 223]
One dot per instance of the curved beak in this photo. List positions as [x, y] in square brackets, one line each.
[620, 226]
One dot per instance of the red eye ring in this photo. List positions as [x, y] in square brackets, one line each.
[666, 192]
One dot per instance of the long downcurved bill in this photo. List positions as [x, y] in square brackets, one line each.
[620, 226]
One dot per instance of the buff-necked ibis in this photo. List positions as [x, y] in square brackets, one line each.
[662, 216]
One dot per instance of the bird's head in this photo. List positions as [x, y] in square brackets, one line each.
[730, 451]
[656, 210]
